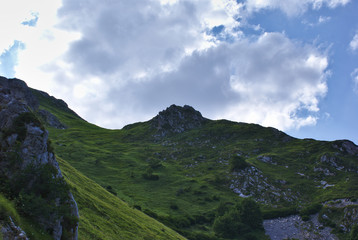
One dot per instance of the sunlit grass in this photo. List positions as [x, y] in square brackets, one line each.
[104, 216]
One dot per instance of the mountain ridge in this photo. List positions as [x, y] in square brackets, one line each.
[182, 168]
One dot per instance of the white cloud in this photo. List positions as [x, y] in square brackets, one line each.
[279, 80]
[41, 44]
[354, 76]
[323, 19]
[117, 62]
[354, 43]
[292, 7]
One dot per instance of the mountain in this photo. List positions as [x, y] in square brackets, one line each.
[38, 189]
[206, 179]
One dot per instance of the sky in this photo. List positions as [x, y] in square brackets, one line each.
[291, 64]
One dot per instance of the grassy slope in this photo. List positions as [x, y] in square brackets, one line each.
[193, 172]
[7, 209]
[104, 216]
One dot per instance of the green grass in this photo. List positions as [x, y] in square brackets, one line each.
[193, 166]
[8, 209]
[104, 216]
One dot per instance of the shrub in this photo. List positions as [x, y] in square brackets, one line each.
[279, 212]
[354, 232]
[197, 236]
[179, 192]
[216, 198]
[50, 147]
[226, 226]
[174, 206]
[137, 207]
[154, 163]
[177, 222]
[38, 189]
[251, 213]
[220, 180]
[111, 190]
[150, 213]
[149, 175]
[230, 225]
[7, 209]
[309, 210]
[222, 209]
[237, 163]
[241, 219]
[250, 236]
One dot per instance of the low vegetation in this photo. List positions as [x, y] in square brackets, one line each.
[181, 179]
[104, 216]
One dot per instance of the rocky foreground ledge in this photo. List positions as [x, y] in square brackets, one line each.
[28, 167]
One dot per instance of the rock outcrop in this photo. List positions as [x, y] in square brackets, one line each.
[251, 182]
[50, 119]
[12, 232]
[346, 146]
[28, 165]
[176, 119]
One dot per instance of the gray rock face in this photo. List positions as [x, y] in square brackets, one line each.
[176, 119]
[266, 159]
[346, 146]
[28, 142]
[19, 91]
[10, 108]
[294, 227]
[50, 119]
[12, 232]
[250, 182]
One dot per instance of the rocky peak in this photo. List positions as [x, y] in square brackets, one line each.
[19, 91]
[177, 119]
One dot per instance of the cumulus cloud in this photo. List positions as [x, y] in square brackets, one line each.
[124, 61]
[276, 80]
[293, 7]
[160, 34]
[354, 43]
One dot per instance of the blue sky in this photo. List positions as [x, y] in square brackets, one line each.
[292, 64]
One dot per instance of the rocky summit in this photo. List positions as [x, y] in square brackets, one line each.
[177, 119]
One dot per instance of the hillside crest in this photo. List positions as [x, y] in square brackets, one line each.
[177, 119]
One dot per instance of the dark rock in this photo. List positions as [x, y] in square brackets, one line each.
[266, 159]
[12, 232]
[176, 119]
[29, 141]
[51, 119]
[13, 109]
[19, 90]
[346, 146]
